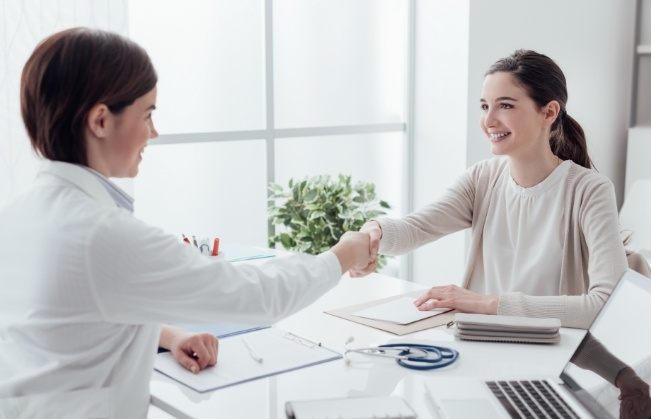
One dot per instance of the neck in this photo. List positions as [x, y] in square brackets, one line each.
[528, 171]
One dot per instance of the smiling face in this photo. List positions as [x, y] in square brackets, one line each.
[511, 120]
[116, 141]
[132, 129]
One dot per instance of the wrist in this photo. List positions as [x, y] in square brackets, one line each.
[169, 336]
[492, 304]
[621, 374]
[372, 225]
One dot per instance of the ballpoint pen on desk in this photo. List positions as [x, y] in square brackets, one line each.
[257, 358]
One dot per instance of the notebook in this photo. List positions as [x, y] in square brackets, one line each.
[495, 328]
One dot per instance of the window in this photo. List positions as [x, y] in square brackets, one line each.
[253, 91]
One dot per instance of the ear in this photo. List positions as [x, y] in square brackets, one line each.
[551, 112]
[97, 120]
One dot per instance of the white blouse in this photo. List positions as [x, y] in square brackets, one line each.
[523, 234]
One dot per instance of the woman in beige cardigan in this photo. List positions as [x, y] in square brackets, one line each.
[545, 235]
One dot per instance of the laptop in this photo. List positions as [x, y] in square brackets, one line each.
[620, 336]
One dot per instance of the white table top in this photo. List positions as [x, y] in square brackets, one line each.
[265, 398]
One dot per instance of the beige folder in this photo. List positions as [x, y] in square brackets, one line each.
[396, 329]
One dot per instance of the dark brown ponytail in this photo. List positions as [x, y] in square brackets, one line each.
[544, 81]
[568, 140]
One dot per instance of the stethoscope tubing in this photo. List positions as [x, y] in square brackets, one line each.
[414, 356]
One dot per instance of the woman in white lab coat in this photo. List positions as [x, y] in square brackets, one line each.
[85, 284]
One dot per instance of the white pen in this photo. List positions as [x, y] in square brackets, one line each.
[257, 358]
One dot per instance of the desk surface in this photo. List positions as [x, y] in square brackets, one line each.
[265, 398]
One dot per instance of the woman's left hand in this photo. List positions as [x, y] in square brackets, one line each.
[455, 297]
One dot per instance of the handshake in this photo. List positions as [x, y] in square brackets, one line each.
[357, 251]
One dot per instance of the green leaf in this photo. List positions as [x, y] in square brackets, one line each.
[314, 212]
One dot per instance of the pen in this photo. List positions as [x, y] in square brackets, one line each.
[194, 240]
[257, 358]
[215, 246]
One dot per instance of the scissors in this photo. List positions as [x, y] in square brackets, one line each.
[411, 355]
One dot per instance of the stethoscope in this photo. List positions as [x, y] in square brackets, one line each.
[410, 355]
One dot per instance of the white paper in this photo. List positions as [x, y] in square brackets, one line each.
[398, 311]
[280, 352]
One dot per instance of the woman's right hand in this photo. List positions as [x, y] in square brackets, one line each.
[353, 251]
[374, 231]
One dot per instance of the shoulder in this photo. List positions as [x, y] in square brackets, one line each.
[584, 182]
[487, 167]
[485, 173]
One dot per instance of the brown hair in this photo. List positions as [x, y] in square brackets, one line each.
[70, 72]
[544, 81]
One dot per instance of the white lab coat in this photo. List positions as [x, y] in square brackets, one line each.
[85, 286]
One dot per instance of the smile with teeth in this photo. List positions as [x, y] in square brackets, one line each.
[498, 136]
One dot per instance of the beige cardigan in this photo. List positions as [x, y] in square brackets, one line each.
[593, 253]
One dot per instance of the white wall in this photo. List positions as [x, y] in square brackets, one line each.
[24, 23]
[440, 125]
[591, 40]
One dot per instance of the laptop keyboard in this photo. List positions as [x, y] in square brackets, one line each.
[530, 399]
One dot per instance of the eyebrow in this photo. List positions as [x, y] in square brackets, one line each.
[501, 98]
[151, 108]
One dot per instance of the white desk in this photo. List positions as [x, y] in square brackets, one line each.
[265, 398]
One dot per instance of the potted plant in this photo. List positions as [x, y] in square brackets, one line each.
[313, 213]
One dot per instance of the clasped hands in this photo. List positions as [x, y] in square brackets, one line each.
[447, 296]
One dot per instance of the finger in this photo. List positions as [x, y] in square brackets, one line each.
[434, 304]
[368, 269]
[211, 343]
[375, 243]
[201, 351]
[423, 298]
[437, 293]
[187, 362]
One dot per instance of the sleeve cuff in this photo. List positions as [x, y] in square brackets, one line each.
[333, 267]
[389, 234]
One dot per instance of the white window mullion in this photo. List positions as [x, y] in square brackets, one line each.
[269, 97]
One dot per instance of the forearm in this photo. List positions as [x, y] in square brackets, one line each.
[595, 357]
[168, 335]
[576, 311]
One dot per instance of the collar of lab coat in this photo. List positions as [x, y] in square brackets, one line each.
[80, 178]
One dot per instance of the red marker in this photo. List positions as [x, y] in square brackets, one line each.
[215, 246]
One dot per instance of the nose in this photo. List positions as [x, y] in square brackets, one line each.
[153, 133]
[489, 118]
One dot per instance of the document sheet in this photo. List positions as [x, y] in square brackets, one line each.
[249, 356]
[399, 311]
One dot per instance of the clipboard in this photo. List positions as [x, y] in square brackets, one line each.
[396, 329]
[281, 352]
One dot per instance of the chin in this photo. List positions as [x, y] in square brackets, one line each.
[499, 151]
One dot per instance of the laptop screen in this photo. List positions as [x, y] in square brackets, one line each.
[616, 350]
